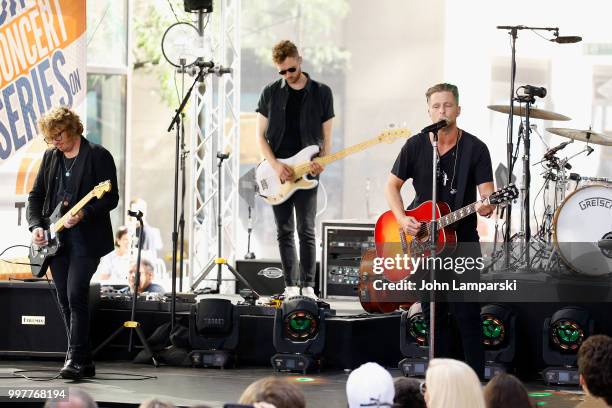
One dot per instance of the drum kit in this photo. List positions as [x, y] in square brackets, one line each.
[575, 230]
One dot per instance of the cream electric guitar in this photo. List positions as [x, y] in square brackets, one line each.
[275, 192]
[40, 256]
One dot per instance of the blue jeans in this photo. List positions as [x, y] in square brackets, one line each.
[305, 204]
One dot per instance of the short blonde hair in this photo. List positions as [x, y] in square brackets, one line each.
[452, 383]
[59, 117]
[444, 87]
[283, 50]
[274, 390]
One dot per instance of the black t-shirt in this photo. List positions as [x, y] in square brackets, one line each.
[65, 192]
[292, 141]
[414, 162]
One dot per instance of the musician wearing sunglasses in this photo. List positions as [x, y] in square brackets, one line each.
[464, 168]
[71, 167]
[294, 112]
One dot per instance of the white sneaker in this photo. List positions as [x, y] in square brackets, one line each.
[309, 292]
[291, 291]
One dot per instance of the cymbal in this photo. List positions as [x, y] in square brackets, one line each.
[534, 113]
[582, 135]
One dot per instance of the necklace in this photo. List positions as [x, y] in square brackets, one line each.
[453, 190]
[71, 166]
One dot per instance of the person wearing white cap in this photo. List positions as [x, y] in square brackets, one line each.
[370, 385]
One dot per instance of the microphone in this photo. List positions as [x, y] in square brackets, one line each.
[551, 152]
[203, 64]
[435, 127]
[575, 176]
[538, 91]
[219, 70]
[138, 214]
[567, 39]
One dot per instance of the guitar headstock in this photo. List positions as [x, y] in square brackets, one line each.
[504, 195]
[392, 134]
[101, 189]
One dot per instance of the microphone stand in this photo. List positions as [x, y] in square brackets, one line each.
[433, 235]
[513, 31]
[132, 323]
[203, 70]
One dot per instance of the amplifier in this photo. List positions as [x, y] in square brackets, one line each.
[266, 275]
[343, 244]
[31, 320]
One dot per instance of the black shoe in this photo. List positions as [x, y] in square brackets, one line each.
[75, 371]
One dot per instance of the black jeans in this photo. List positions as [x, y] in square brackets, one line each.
[305, 204]
[71, 274]
[467, 317]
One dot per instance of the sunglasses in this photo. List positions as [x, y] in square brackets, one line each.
[284, 71]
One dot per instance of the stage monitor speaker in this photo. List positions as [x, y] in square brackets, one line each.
[31, 320]
[266, 275]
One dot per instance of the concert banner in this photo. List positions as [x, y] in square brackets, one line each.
[42, 65]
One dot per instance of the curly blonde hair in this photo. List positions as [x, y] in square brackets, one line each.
[284, 50]
[60, 117]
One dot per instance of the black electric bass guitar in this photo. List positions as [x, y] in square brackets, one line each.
[40, 256]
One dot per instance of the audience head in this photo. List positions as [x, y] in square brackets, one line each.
[77, 398]
[595, 367]
[452, 383]
[505, 390]
[121, 237]
[369, 384]
[408, 393]
[146, 275]
[155, 403]
[274, 390]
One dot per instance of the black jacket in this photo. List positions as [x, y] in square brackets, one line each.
[317, 107]
[95, 165]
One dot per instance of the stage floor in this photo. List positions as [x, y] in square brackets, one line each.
[115, 385]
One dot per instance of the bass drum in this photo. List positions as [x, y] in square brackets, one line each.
[580, 222]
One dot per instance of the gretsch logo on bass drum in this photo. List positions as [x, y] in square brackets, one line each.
[595, 202]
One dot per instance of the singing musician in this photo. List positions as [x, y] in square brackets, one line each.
[70, 169]
[294, 112]
[464, 166]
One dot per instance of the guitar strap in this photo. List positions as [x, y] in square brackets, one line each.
[464, 152]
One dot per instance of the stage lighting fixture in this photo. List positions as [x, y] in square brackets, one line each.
[413, 342]
[299, 335]
[193, 6]
[563, 333]
[498, 337]
[213, 333]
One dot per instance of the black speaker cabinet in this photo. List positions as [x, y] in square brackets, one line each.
[265, 275]
[30, 319]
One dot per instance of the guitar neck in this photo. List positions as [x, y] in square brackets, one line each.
[59, 224]
[457, 215]
[304, 168]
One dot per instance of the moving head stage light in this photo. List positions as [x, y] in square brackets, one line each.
[498, 337]
[562, 336]
[213, 333]
[413, 342]
[299, 335]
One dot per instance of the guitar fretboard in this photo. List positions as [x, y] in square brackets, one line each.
[304, 168]
[457, 215]
[59, 224]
